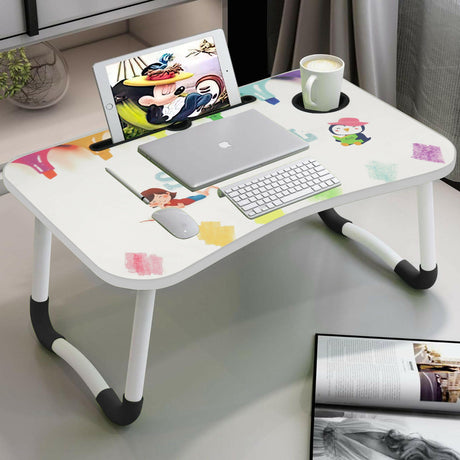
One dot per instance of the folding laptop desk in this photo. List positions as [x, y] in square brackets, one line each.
[369, 145]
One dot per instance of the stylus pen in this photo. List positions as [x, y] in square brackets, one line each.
[129, 187]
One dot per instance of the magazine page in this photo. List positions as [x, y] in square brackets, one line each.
[379, 435]
[398, 373]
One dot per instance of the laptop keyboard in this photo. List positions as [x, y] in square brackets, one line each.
[280, 187]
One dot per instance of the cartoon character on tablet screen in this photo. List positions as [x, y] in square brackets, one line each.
[158, 97]
[161, 95]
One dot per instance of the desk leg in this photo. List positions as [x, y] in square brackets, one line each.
[119, 412]
[418, 279]
[124, 413]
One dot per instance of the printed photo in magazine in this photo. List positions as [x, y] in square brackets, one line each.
[385, 398]
[356, 435]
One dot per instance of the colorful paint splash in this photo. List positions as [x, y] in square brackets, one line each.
[215, 233]
[427, 153]
[309, 137]
[38, 161]
[85, 142]
[215, 116]
[327, 194]
[382, 171]
[167, 181]
[160, 134]
[88, 140]
[266, 218]
[291, 75]
[260, 91]
[143, 264]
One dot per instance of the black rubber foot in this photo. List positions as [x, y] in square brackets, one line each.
[333, 220]
[118, 412]
[418, 279]
[39, 314]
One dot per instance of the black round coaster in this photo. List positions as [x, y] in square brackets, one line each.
[297, 102]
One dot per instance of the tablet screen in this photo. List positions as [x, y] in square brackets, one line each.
[158, 87]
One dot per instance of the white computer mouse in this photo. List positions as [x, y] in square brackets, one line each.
[177, 222]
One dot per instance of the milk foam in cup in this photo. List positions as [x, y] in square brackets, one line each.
[322, 65]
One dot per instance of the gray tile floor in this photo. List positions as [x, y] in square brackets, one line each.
[230, 365]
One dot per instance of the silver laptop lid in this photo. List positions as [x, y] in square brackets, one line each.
[212, 152]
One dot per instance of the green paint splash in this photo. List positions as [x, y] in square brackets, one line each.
[382, 171]
[327, 194]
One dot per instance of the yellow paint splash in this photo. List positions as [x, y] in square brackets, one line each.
[160, 134]
[215, 233]
[266, 218]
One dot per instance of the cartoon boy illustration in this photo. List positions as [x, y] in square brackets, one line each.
[161, 198]
[162, 98]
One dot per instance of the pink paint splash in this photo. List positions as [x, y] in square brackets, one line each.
[39, 162]
[427, 153]
[143, 264]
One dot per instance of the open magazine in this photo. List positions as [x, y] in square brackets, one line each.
[382, 398]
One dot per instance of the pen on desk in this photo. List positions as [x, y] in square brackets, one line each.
[129, 187]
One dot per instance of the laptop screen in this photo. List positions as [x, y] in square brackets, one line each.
[167, 86]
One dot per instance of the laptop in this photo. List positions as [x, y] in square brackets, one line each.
[209, 153]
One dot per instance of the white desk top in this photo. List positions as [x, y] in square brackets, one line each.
[109, 229]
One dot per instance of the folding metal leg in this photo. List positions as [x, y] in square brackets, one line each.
[426, 226]
[120, 412]
[418, 279]
[41, 264]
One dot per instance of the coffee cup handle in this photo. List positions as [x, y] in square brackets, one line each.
[308, 86]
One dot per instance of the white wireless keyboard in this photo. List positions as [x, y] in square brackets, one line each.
[279, 187]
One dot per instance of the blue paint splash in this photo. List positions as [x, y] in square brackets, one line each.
[386, 172]
[259, 90]
[168, 181]
[309, 137]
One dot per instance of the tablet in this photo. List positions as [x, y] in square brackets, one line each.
[150, 89]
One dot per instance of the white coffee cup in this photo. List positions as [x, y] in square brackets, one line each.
[321, 79]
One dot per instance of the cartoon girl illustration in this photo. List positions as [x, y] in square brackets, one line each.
[161, 198]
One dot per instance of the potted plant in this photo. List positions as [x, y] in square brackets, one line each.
[14, 71]
[34, 77]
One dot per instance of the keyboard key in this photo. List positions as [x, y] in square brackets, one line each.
[249, 206]
[293, 196]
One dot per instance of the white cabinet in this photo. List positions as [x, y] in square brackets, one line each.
[52, 18]
[12, 21]
[52, 12]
